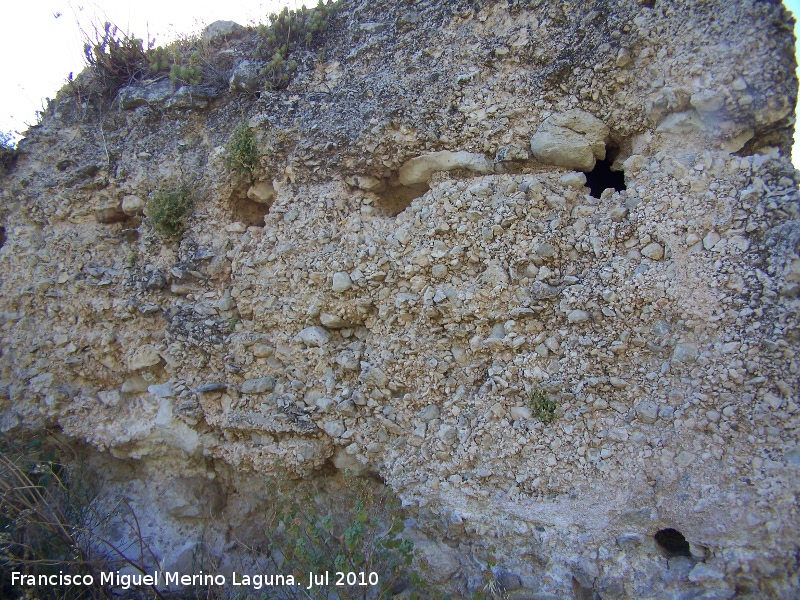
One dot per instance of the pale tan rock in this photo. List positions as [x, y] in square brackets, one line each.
[420, 169]
[143, 357]
[132, 205]
[262, 192]
[574, 139]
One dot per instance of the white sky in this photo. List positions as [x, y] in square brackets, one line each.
[41, 41]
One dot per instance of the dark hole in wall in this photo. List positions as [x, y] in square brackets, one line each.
[672, 542]
[248, 211]
[395, 200]
[602, 177]
[2, 236]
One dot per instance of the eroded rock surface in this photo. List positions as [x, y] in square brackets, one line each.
[320, 323]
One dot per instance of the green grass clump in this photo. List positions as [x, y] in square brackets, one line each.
[288, 31]
[169, 209]
[242, 150]
[185, 74]
[542, 407]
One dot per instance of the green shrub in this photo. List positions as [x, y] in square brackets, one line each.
[180, 59]
[116, 58]
[190, 60]
[8, 153]
[169, 209]
[242, 150]
[288, 31]
[303, 537]
[160, 59]
[542, 407]
[185, 74]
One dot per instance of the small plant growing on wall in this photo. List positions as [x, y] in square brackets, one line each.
[169, 209]
[242, 151]
[542, 407]
[182, 63]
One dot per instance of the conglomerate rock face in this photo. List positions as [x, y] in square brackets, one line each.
[415, 263]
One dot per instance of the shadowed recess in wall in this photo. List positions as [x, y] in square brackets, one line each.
[248, 211]
[602, 177]
[395, 200]
[672, 542]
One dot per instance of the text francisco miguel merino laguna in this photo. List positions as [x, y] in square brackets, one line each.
[127, 581]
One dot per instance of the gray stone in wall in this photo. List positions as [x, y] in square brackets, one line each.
[258, 386]
[246, 77]
[220, 32]
[191, 96]
[314, 336]
[134, 96]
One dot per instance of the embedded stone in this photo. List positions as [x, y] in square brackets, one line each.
[143, 358]
[578, 316]
[332, 321]
[246, 77]
[429, 413]
[420, 169]
[211, 387]
[573, 180]
[653, 251]
[262, 192]
[163, 390]
[132, 205]
[334, 428]
[220, 32]
[341, 282]
[574, 140]
[647, 412]
[314, 336]
[685, 353]
[260, 385]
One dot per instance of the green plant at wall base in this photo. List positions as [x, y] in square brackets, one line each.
[50, 522]
[242, 150]
[169, 209]
[542, 407]
[306, 538]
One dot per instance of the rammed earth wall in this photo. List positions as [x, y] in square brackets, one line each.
[414, 258]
